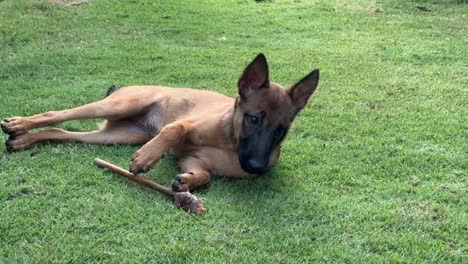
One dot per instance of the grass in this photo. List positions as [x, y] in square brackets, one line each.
[374, 169]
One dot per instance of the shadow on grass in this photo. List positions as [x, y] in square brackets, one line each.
[272, 194]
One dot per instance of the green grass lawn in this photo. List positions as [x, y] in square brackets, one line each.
[374, 169]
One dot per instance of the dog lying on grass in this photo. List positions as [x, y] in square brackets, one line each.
[209, 133]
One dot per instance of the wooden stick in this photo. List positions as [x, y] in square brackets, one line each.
[184, 200]
[140, 179]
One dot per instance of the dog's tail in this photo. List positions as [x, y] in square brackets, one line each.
[111, 90]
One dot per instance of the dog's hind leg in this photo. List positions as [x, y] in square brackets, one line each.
[121, 132]
[116, 106]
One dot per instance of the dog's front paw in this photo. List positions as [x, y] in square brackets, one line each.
[179, 184]
[141, 162]
[138, 164]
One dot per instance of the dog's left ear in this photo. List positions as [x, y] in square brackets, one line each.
[254, 77]
[303, 89]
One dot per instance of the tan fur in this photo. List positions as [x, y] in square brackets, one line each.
[201, 128]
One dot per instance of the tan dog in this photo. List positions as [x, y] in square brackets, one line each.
[209, 133]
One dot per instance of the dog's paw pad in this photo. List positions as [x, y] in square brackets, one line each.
[179, 184]
[9, 145]
[5, 129]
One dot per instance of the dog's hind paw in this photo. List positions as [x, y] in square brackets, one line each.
[5, 129]
[14, 126]
[8, 145]
[16, 143]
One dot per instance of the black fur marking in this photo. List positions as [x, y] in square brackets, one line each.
[111, 90]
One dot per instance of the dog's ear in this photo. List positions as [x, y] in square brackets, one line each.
[255, 76]
[303, 89]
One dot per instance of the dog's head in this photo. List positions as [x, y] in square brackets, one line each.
[264, 112]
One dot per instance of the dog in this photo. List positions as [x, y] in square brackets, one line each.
[209, 133]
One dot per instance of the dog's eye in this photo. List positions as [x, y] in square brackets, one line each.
[253, 120]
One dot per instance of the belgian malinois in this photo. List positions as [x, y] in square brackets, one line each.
[209, 133]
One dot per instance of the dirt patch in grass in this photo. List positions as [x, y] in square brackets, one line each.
[69, 2]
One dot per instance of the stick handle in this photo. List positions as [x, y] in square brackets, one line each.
[139, 179]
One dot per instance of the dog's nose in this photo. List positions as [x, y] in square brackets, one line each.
[256, 165]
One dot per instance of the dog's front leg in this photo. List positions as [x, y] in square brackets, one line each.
[195, 176]
[152, 152]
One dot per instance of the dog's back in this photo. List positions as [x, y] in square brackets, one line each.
[164, 105]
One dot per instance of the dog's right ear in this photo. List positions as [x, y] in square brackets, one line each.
[254, 77]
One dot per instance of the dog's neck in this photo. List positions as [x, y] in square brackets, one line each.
[227, 126]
